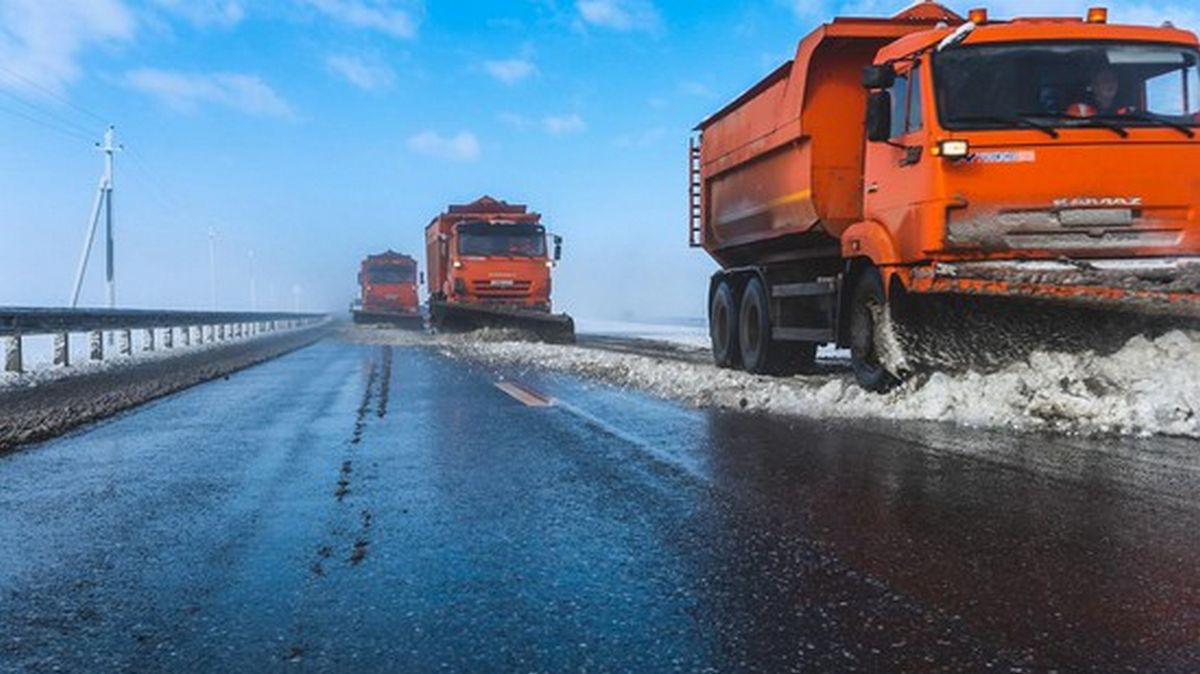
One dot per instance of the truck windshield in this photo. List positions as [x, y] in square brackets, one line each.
[511, 240]
[1063, 84]
[392, 274]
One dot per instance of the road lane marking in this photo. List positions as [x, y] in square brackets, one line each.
[527, 397]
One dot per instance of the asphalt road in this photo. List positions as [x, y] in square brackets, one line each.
[366, 508]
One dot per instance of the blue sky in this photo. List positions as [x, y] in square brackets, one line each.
[313, 132]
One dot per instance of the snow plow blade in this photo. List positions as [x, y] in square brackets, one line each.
[547, 327]
[987, 315]
[401, 320]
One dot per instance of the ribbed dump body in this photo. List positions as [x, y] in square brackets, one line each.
[781, 166]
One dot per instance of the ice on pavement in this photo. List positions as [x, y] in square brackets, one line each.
[1151, 386]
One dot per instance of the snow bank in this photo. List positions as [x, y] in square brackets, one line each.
[1148, 387]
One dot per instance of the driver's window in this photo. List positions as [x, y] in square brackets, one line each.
[906, 103]
[899, 93]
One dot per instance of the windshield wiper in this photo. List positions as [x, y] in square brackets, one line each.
[1016, 120]
[1144, 117]
[1082, 121]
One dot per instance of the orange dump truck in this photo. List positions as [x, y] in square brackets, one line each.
[934, 190]
[489, 266]
[388, 291]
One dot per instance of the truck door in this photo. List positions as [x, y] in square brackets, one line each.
[896, 173]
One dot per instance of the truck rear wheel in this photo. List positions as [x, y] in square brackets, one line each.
[722, 326]
[868, 305]
[761, 353]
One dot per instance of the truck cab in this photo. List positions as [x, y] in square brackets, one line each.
[388, 288]
[1031, 139]
[492, 253]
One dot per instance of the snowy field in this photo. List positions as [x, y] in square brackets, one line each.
[692, 334]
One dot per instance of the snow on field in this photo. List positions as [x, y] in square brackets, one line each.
[693, 335]
[1149, 387]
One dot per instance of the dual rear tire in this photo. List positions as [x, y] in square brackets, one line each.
[740, 329]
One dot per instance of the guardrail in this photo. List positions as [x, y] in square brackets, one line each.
[204, 326]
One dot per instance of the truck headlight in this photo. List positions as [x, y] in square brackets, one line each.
[952, 149]
[458, 264]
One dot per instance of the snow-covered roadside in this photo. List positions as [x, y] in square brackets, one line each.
[37, 350]
[1149, 387]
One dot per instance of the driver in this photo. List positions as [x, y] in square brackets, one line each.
[1102, 97]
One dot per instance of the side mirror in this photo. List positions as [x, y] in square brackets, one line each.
[879, 77]
[879, 116]
[557, 248]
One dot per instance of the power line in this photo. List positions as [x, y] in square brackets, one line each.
[41, 122]
[47, 113]
[53, 94]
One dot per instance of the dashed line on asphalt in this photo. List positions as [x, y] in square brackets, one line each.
[524, 395]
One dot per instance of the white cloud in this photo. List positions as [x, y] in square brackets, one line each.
[642, 138]
[384, 16]
[621, 15]
[42, 39]
[555, 125]
[517, 121]
[463, 147]
[364, 75]
[510, 71]
[204, 13]
[186, 91]
[559, 125]
[695, 89]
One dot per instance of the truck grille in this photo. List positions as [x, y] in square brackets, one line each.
[501, 288]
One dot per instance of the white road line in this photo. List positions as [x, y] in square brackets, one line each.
[527, 397]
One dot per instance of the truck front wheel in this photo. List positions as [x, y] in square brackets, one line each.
[722, 326]
[867, 310]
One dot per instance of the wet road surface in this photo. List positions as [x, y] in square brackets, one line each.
[370, 508]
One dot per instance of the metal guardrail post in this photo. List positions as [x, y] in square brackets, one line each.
[148, 343]
[169, 338]
[186, 335]
[12, 353]
[62, 349]
[96, 344]
[125, 342]
[221, 332]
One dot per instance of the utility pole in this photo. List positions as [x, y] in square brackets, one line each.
[253, 285]
[212, 265]
[104, 195]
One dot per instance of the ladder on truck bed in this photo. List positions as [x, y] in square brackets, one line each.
[695, 191]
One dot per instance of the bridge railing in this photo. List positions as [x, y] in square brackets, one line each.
[159, 329]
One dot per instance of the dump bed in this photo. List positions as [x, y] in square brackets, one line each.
[780, 168]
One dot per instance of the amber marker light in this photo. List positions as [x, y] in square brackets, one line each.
[978, 16]
[1097, 15]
